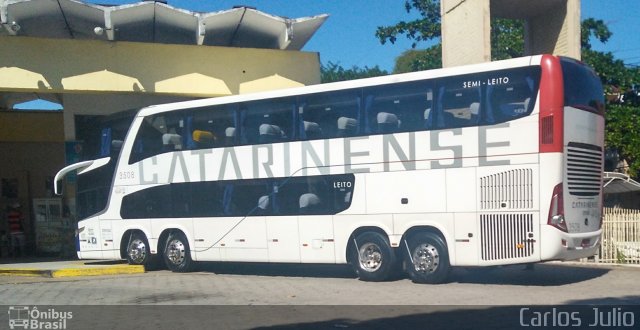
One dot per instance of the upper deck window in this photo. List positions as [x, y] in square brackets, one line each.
[512, 95]
[468, 100]
[403, 107]
[157, 134]
[330, 114]
[267, 121]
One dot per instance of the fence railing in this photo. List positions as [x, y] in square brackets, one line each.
[620, 237]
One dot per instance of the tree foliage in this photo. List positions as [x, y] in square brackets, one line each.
[622, 131]
[332, 72]
[507, 38]
[416, 60]
[592, 28]
[623, 134]
[427, 27]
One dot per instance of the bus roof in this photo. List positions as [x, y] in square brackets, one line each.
[366, 82]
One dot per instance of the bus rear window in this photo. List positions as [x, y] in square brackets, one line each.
[582, 87]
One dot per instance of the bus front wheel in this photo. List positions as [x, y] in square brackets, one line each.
[177, 255]
[138, 251]
[427, 260]
[372, 257]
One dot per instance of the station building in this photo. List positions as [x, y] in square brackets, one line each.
[97, 60]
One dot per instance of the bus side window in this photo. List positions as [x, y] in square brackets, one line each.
[158, 134]
[329, 114]
[210, 126]
[398, 108]
[180, 200]
[305, 195]
[149, 203]
[510, 101]
[459, 107]
[206, 199]
[268, 121]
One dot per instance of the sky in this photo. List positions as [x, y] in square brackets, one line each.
[348, 36]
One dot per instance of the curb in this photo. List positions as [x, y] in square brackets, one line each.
[73, 272]
[595, 264]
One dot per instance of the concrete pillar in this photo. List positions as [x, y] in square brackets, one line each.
[555, 31]
[466, 32]
[551, 27]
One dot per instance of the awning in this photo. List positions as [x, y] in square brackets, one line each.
[155, 22]
[617, 183]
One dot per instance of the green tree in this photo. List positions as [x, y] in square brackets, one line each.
[427, 28]
[622, 131]
[424, 29]
[332, 72]
[416, 60]
[623, 134]
[507, 38]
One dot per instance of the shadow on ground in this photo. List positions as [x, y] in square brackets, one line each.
[277, 269]
[541, 275]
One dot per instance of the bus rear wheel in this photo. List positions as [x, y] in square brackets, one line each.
[372, 257]
[427, 260]
[177, 255]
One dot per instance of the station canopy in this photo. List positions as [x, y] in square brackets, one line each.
[155, 22]
[148, 22]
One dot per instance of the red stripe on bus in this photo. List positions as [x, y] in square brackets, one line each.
[551, 105]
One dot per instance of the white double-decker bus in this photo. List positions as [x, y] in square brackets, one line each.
[490, 164]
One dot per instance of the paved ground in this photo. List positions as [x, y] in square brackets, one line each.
[246, 284]
[313, 296]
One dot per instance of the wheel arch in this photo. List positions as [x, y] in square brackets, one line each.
[424, 229]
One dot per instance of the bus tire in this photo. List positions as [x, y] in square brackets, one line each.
[427, 260]
[177, 254]
[138, 252]
[372, 257]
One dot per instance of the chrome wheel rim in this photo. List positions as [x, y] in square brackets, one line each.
[176, 252]
[425, 258]
[370, 257]
[137, 251]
